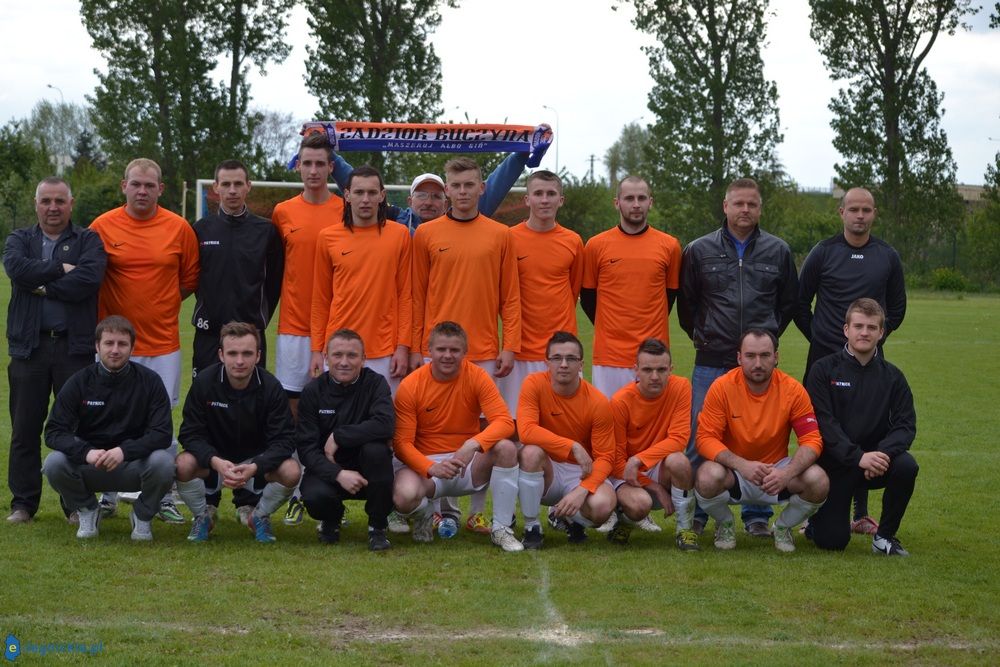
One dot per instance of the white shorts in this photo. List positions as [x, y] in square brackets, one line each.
[381, 366]
[510, 386]
[456, 486]
[292, 357]
[565, 478]
[751, 494]
[653, 473]
[609, 379]
[168, 367]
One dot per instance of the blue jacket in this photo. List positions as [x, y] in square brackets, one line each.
[22, 259]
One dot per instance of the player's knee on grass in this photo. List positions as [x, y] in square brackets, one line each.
[504, 454]
[677, 468]
[904, 466]
[815, 484]
[600, 504]
[711, 479]
[407, 491]
[187, 467]
[531, 458]
[287, 474]
[636, 502]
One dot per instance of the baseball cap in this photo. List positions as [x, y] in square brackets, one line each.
[423, 178]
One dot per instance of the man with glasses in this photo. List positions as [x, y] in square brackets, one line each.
[569, 446]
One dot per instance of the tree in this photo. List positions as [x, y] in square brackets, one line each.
[373, 60]
[157, 98]
[87, 154]
[22, 165]
[627, 155]
[716, 114]
[276, 138]
[887, 116]
[58, 125]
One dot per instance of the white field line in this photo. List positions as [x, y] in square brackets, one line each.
[559, 634]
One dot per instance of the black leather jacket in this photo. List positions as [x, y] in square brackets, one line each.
[722, 295]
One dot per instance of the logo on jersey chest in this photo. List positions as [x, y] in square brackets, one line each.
[93, 404]
[211, 243]
[840, 383]
[327, 411]
[218, 404]
[857, 256]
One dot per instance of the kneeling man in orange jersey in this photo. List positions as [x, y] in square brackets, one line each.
[439, 447]
[743, 434]
[569, 445]
[652, 426]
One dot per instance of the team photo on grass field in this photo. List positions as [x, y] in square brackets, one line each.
[359, 384]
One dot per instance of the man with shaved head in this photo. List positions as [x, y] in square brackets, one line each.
[845, 267]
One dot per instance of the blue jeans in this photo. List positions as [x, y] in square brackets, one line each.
[701, 379]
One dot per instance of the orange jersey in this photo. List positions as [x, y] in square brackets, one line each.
[753, 427]
[299, 224]
[631, 273]
[550, 272]
[651, 429]
[553, 422]
[466, 272]
[438, 417]
[149, 263]
[362, 282]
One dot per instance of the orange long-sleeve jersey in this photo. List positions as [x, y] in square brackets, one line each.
[631, 273]
[651, 429]
[753, 427]
[550, 272]
[435, 417]
[554, 423]
[149, 263]
[361, 280]
[466, 272]
[299, 224]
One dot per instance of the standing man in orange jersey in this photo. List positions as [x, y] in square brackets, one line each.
[465, 270]
[362, 280]
[549, 272]
[300, 220]
[631, 274]
[152, 267]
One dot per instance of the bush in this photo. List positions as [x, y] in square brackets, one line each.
[949, 279]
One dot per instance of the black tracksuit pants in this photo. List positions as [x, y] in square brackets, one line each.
[831, 525]
[325, 500]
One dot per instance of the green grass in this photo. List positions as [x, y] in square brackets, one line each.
[464, 602]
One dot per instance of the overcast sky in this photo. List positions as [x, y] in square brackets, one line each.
[511, 60]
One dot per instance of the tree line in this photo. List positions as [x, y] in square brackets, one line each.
[715, 113]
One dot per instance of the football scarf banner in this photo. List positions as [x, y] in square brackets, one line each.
[434, 137]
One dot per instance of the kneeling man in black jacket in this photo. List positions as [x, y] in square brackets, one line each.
[865, 411]
[237, 432]
[346, 423]
[110, 426]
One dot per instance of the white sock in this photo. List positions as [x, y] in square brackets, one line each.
[582, 520]
[716, 507]
[503, 486]
[797, 511]
[272, 497]
[193, 495]
[683, 507]
[420, 509]
[530, 488]
[478, 502]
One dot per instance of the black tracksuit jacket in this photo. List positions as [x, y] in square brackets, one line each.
[860, 408]
[242, 260]
[97, 409]
[237, 424]
[356, 414]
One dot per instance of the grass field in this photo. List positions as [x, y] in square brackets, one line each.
[232, 601]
